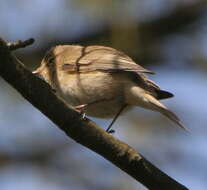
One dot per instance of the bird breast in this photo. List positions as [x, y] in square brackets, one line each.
[102, 91]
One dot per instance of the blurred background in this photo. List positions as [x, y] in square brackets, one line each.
[168, 37]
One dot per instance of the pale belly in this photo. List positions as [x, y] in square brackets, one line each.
[103, 92]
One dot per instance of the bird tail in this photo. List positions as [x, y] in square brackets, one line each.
[158, 106]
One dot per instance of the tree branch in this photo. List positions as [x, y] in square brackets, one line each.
[85, 132]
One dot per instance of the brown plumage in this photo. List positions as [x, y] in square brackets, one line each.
[102, 78]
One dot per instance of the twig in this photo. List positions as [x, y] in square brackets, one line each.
[19, 44]
[85, 132]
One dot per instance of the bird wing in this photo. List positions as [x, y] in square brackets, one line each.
[101, 58]
[73, 58]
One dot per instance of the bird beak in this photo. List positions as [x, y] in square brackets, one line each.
[36, 72]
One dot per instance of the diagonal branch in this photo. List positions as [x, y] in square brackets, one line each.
[85, 132]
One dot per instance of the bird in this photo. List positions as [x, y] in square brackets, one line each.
[102, 82]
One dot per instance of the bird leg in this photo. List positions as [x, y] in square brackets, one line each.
[109, 130]
[82, 107]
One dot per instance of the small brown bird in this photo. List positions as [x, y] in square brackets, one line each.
[101, 81]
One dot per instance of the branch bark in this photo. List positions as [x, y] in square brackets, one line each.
[85, 132]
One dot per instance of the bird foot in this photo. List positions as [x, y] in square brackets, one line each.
[80, 108]
[111, 131]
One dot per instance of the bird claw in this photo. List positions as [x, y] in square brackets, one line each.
[83, 116]
[111, 131]
[80, 108]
